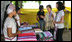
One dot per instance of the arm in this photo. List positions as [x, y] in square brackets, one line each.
[9, 32]
[42, 16]
[37, 18]
[18, 20]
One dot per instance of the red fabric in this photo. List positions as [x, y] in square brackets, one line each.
[26, 34]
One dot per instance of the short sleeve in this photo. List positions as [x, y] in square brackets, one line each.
[9, 24]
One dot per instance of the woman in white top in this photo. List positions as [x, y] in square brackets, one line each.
[10, 28]
[59, 21]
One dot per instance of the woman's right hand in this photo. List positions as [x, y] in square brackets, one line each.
[41, 16]
[53, 22]
[19, 32]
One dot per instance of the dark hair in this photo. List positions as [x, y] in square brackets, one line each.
[60, 6]
[49, 6]
[17, 9]
[41, 7]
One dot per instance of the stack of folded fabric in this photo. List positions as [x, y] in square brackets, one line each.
[27, 31]
[45, 36]
[37, 30]
[48, 36]
[27, 34]
[24, 28]
[34, 26]
[27, 38]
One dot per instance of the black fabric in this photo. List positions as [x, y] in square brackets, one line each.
[40, 13]
[59, 35]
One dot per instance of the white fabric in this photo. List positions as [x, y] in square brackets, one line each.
[18, 19]
[18, 22]
[15, 39]
[59, 15]
[9, 23]
[10, 8]
[9, 11]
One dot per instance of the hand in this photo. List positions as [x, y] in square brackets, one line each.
[53, 22]
[19, 32]
[41, 16]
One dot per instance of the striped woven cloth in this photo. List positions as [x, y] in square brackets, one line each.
[45, 36]
[24, 28]
[26, 34]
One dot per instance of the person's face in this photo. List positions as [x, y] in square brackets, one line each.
[56, 5]
[48, 9]
[41, 10]
[14, 12]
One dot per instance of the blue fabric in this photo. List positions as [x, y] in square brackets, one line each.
[27, 31]
[33, 25]
[24, 28]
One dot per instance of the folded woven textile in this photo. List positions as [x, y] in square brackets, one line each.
[51, 39]
[27, 40]
[47, 34]
[37, 30]
[33, 25]
[26, 34]
[25, 28]
[27, 31]
[27, 37]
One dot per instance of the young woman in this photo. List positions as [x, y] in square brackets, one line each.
[9, 29]
[49, 18]
[40, 15]
[59, 21]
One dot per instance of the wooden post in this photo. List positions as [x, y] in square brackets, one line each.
[63, 2]
[21, 4]
[16, 4]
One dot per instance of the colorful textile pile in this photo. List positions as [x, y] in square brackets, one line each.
[27, 38]
[34, 26]
[37, 30]
[27, 34]
[24, 28]
[27, 31]
[45, 36]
